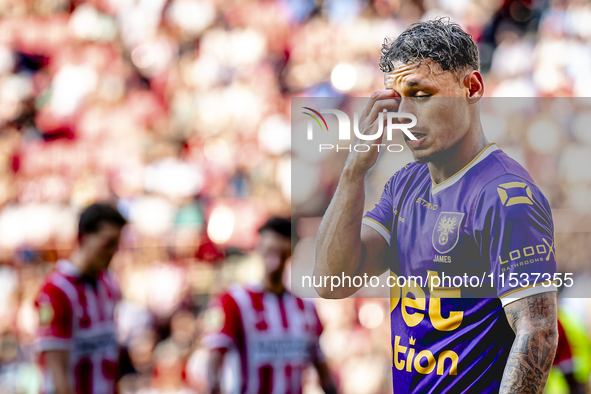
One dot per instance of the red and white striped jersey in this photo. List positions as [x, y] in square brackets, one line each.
[276, 337]
[76, 314]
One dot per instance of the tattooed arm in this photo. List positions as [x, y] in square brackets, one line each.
[536, 337]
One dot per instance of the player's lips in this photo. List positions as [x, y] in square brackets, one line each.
[420, 139]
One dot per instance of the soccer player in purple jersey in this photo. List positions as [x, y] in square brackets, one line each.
[462, 208]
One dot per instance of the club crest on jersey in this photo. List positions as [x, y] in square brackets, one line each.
[447, 231]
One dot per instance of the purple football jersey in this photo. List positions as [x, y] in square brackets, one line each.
[488, 224]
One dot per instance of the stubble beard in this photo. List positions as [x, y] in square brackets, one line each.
[435, 157]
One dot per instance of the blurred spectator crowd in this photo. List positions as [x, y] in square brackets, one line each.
[178, 112]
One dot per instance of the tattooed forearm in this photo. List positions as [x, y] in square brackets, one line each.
[534, 321]
[521, 344]
[538, 308]
[524, 378]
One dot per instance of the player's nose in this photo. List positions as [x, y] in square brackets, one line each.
[405, 106]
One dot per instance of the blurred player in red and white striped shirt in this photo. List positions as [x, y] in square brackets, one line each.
[76, 334]
[275, 333]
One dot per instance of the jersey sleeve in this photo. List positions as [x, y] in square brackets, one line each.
[54, 331]
[223, 323]
[381, 216]
[514, 229]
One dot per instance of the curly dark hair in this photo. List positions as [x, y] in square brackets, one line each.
[439, 39]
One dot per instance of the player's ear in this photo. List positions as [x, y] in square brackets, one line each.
[475, 85]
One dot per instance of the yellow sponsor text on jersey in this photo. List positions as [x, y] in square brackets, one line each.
[424, 362]
[544, 250]
[412, 309]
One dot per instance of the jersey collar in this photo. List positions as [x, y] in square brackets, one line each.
[67, 268]
[437, 188]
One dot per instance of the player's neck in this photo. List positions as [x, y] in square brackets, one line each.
[80, 261]
[457, 157]
[273, 286]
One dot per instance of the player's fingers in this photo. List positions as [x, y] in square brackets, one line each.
[380, 105]
[379, 95]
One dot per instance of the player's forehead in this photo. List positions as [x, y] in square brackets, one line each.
[426, 73]
[108, 230]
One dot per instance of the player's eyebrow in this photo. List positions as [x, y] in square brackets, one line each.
[413, 83]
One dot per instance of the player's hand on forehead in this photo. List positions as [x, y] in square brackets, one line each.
[388, 99]
[379, 101]
[386, 94]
